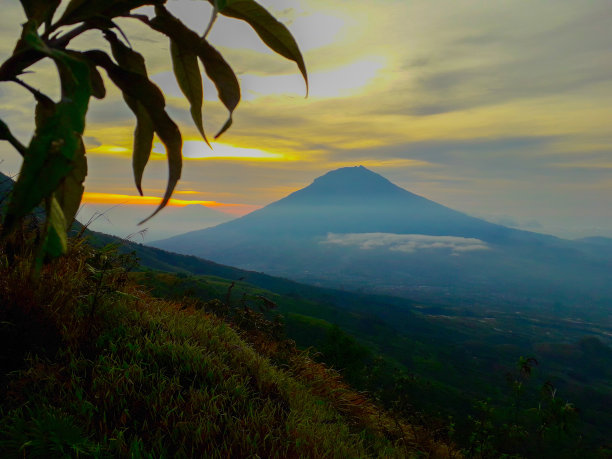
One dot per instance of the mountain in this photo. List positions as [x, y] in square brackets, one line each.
[357, 200]
[353, 228]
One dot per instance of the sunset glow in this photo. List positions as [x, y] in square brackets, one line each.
[124, 199]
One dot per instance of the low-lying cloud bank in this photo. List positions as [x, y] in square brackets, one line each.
[408, 243]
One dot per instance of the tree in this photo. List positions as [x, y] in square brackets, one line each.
[54, 162]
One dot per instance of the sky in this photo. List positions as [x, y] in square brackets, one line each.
[498, 109]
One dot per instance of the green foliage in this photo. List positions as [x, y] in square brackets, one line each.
[342, 351]
[144, 377]
[44, 433]
[518, 419]
[450, 358]
[54, 165]
[537, 422]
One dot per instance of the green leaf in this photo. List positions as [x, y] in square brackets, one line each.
[40, 11]
[273, 33]
[70, 191]
[144, 131]
[71, 67]
[56, 242]
[126, 57]
[187, 72]
[184, 44]
[51, 154]
[138, 87]
[54, 237]
[143, 143]
[224, 78]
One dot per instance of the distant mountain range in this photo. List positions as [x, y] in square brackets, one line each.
[122, 220]
[353, 228]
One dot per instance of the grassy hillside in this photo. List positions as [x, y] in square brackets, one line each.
[91, 365]
[424, 362]
[453, 360]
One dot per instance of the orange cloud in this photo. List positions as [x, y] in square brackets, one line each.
[124, 199]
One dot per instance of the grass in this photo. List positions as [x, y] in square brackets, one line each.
[92, 365]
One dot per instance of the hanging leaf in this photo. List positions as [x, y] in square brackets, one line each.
[187, 72]
[126, 57]
[184, 44]
[143, 144]
[144, 131]
[224, 78]
[141, 89]
[187, 43]
[272, 32]
[40, 11]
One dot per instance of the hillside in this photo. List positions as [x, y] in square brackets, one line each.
[353, 228]
[451, 360]
[464, 349]
[93, 366]
[434, 359]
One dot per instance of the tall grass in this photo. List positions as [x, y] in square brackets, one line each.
[91, 365]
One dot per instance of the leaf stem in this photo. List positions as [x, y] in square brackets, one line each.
[213, 18]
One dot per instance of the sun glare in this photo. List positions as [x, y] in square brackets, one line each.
[197, 149]
[109, 149]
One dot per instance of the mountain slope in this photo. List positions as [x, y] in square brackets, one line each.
[354, 228]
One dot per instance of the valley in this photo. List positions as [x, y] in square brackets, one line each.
[353, 229]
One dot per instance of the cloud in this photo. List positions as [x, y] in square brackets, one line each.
[408, 243]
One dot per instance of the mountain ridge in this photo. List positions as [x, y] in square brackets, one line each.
[337, 201]
[355, 228]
